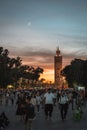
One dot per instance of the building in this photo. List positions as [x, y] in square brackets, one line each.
[57, 68]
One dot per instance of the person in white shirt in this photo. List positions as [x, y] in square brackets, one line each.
[49, 97]
[63, 102]
[33, 99]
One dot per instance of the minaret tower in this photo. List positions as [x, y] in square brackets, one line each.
[57, 67]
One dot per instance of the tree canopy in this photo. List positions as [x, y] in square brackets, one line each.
[11, 70]
[76, 72]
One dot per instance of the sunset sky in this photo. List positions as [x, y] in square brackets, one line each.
[32, 29]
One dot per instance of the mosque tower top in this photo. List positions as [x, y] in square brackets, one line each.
[57, 52]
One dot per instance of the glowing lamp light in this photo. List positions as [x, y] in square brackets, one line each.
[9, 86]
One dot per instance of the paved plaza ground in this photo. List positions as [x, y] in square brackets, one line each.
[41, 124]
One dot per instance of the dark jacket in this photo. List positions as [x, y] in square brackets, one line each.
[30, 111]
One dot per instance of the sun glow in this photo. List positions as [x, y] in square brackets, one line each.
[48, 75]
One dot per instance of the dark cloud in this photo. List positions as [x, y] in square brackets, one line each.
[78, 54]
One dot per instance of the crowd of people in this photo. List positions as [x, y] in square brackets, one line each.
[30, 102]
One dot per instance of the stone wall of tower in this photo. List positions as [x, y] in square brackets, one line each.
[57, 69]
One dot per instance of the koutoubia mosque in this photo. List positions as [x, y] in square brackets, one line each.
[57, 68]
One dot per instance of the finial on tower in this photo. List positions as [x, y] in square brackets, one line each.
[57, 51]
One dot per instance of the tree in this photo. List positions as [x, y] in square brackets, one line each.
[76, 72]
[11, 70]
[4, 63]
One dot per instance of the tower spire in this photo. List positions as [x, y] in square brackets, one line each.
[57, 51]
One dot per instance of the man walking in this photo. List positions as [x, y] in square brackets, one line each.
[49, 97]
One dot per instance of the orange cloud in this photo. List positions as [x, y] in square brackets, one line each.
[48, 75]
